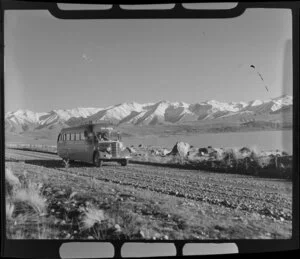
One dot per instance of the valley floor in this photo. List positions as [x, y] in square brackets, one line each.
[152, 202]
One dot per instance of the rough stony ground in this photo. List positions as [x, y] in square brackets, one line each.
[176, 202]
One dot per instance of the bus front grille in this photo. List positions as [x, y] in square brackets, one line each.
[114, 149]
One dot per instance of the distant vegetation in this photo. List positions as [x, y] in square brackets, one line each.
[232, 160]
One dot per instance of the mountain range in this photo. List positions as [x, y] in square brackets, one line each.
[277, 110]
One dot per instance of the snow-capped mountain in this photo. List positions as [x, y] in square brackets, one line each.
[24, 120]
[163, 112]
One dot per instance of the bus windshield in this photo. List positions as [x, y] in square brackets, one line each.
[107, 135]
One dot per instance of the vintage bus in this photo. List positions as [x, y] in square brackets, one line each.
[92, 143]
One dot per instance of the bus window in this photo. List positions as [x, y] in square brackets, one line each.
[68, 136]
[72, 136]
[82, 137]
[64, 137]
[90, 136]
[77, 136]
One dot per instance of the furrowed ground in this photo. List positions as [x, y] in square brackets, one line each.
[157, 202]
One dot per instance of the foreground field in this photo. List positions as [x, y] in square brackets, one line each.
[152, 202]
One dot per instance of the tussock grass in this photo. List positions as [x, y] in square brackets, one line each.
[12, 182]
[11, 178]
[95, 223]
[24, 209]
[9, 209]
[117, 222]
[92, 217]
[30, 197]
[29, 215]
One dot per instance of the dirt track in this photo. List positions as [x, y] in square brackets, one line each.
[267, 197]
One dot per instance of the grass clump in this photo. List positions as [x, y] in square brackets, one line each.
[92, 217]
[30, 198]
[94, 223]
[25, 209]
[12, 182]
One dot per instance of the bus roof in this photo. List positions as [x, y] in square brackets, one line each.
[88, 127]
[76, 129]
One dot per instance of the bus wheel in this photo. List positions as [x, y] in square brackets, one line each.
[124, 162]
[97, 161]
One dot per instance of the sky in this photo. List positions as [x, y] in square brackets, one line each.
[60, 64]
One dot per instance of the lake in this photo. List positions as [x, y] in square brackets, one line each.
[263, 140]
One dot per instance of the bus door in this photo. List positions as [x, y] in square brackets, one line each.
[87, 146]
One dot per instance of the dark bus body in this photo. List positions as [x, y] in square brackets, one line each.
[90, 143]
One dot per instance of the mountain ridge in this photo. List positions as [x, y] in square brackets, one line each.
[160, 113]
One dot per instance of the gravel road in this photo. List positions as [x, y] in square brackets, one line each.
[268, 197]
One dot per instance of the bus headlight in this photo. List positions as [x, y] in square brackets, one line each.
[108, 149]
[122, 146]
